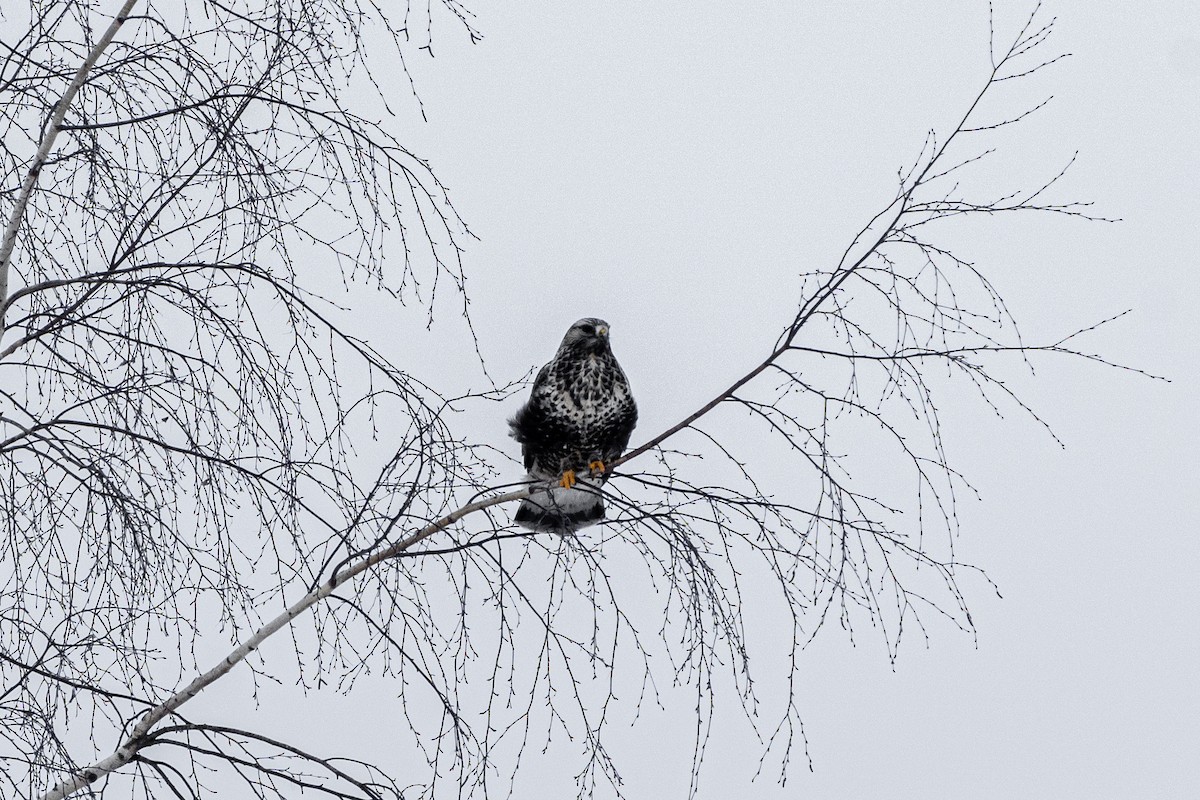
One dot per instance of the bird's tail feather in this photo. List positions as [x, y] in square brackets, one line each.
[561, 510]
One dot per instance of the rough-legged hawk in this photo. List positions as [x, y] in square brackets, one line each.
[579, 418]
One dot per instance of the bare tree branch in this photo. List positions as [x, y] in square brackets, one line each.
[192, 440]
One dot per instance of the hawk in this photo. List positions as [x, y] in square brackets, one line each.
[579, 417]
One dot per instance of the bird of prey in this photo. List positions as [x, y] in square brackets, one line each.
[579, 417]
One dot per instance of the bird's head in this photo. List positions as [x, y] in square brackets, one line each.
[588, 334]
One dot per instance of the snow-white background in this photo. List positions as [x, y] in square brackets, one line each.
[672, 167]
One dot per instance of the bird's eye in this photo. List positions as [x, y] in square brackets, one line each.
[587, 330]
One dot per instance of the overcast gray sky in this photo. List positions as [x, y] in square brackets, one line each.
[672, 166]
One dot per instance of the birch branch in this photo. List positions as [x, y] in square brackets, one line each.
[141, 735]
[47, 144]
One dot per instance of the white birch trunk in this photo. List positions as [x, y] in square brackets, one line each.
[47, 144]
[138, 738]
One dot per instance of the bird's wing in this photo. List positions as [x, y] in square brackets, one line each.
[535, 424]
[626, 421]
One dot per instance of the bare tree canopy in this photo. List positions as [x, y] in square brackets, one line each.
[196, 446]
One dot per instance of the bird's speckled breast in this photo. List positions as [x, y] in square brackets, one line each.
[596, 395]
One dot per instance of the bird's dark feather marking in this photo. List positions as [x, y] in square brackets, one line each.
[538, 517]
[580, 410]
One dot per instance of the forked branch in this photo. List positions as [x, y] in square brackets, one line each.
[49, 135]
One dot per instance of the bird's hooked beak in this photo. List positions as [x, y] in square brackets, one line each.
[602, 331]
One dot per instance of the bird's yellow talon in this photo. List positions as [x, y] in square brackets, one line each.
[597, 467]
[568, 479]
